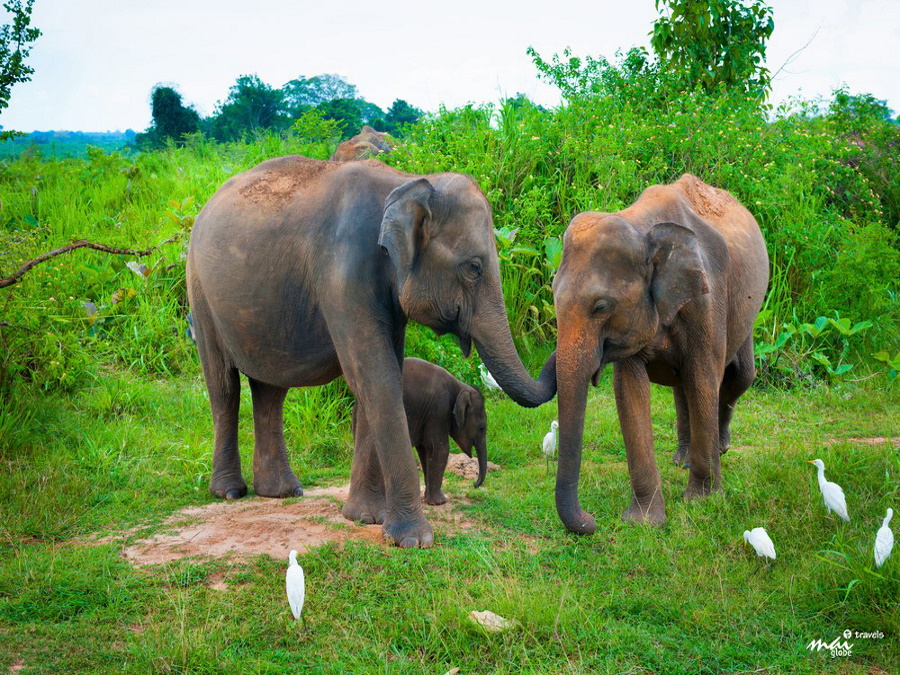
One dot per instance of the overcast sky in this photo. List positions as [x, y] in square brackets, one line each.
[98, 60]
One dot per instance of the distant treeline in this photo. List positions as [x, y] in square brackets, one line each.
[253, 106]
[61, 144]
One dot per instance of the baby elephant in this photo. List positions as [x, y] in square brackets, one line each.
[438, 407]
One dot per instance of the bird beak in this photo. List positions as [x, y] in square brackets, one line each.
[810, 461]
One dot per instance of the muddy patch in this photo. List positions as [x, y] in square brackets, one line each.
[258, 526]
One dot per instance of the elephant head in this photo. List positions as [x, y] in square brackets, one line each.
[468, 427]
[619, 286]
[439, 235]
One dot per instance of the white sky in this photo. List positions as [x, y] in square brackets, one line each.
[97, 60]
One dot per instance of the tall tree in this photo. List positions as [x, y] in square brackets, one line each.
[171, 118]
[399, 115]
[251, 105]
[16, 40]
[713, 42]
[304, 93]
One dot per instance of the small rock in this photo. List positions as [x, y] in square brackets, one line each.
[490, 621]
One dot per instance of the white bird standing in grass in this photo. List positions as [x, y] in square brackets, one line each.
[488, 379]
[296, 586]
[759, 539]
[831, 492]
[549, 447]
[884, 540]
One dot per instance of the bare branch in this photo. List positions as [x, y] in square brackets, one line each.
[790, 59]
[81, 243]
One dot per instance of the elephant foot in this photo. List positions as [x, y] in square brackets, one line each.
[682, 457]
[228, 487]
[653, 513]
[435, 499]
[410, 532]
[698, 488]
[277, 486]
[369, 511]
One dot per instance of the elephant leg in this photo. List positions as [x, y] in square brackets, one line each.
[739, 375]
[367, 502]
[632, 390]
[372, 368]
[224, 386]
[702, 393]
[272, 475]
[683, 425]
[438, 453]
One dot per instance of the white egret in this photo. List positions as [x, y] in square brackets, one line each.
[831, 492]
[548, 449]
[296, 586]
[759, 539]
[884, 540]
[488, 379]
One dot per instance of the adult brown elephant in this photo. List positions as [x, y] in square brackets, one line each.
[367, 143]
[668, 290]
[300, 271]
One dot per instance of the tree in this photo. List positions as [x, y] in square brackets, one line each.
[171, 118]
[308, 92]
[399, 115]
[15, 45]
[346, 111]
[715, 42]
[251, 105]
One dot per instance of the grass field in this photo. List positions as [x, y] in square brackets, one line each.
[115, 459]
[105, 429]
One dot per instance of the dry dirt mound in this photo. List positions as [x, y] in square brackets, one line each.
[255, 525]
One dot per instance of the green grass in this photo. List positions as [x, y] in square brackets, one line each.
[105, 428]
[687, 597]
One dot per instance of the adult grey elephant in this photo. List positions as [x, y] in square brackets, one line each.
[300, 271]
[667, 290]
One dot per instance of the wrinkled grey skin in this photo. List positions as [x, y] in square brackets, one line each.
[667, 290]
[438, 407]
[300, 271]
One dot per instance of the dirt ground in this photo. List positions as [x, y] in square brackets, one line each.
[255, 525]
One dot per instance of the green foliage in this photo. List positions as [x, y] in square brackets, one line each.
[804, 352]
[399, 116]
[346, 112]
[304, 93]
[171, 118]
[715, 42]
[15, 45]
[251, 106]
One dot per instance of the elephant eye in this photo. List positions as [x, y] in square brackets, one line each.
[602, 306]
[474, 269]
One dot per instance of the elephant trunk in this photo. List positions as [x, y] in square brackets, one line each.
[492, 337]
[573, 373]
[481, 452]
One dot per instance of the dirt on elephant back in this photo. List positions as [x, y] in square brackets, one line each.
[259, 526]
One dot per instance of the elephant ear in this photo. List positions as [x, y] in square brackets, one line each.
[678, 272]
[462, 407]
[405, 225]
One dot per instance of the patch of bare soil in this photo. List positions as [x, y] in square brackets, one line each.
[256, 525]
[466, 467]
